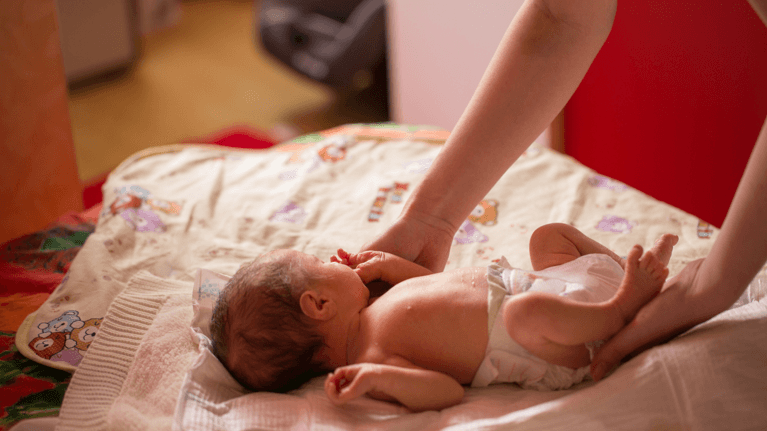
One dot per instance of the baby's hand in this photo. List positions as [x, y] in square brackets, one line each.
[350, 382]
[370, 265]
[378, 265]
[367, 265]
[341, 257]
[354, 259]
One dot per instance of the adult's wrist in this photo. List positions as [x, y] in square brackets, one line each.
[425, 213]
[443, 201]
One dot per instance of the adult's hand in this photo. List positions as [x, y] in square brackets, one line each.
[416, 240]
[676, 309]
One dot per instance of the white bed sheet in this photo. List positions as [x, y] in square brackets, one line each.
[712, 378]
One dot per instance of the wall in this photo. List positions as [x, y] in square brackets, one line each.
[674, 101]
[438, 52]
[39, 173]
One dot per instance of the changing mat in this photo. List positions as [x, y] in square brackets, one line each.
[710, 378]
[169, 211]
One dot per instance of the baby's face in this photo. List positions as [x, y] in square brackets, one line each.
[337, 279]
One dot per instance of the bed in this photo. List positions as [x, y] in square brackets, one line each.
[129, 318]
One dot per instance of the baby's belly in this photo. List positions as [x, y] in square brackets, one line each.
[438, 322]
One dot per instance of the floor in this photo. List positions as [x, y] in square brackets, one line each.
[205, 74]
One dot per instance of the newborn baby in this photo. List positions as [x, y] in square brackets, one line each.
[289, 316]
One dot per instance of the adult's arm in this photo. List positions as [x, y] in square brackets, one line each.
[705, 287]
[709, 286]
[538, 65]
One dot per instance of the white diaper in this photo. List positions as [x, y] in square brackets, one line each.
[590, 278]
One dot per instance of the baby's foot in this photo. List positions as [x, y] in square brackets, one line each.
[643, 280]
[663, 247]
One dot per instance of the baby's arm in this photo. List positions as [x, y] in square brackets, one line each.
[377, 265]
[416, 388]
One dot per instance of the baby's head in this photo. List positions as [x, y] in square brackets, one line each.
[258, 329]
[266, 326]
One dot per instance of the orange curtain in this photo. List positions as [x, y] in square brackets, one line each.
[38, 170]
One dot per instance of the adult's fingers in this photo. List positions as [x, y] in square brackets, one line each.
[667, 315]
[611, 353]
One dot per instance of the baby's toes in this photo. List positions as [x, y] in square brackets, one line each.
[650, 262]
[655, 268]
[673, 239]
[633, 258]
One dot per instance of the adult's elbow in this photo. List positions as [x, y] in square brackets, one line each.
[588, 17]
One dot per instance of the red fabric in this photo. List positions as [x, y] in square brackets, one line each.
[33, 265]
[239, 137]
[674, 101]
[18, 279]
[92, 191]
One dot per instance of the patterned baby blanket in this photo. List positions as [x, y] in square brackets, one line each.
[171, 210]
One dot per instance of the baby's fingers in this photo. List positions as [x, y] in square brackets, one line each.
[365, 256]
[342, 256]
[341, 386]
[332, 389]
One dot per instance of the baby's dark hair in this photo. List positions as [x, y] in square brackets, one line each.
[258, 329]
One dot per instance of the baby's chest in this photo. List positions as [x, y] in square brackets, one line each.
[428, 327]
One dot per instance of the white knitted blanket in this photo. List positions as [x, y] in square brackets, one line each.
[132, 375]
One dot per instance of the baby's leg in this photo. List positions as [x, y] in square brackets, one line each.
[558, 243]
[555, 328]
[644, 277]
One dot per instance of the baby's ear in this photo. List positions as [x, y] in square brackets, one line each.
[316, 306]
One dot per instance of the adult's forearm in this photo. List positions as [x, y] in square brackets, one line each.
[741, 246]
[760, 7]
[540, 62]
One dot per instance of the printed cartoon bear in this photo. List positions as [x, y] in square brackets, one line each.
[485, 213]
[64, 323]
[82, 336]
[48, 344]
